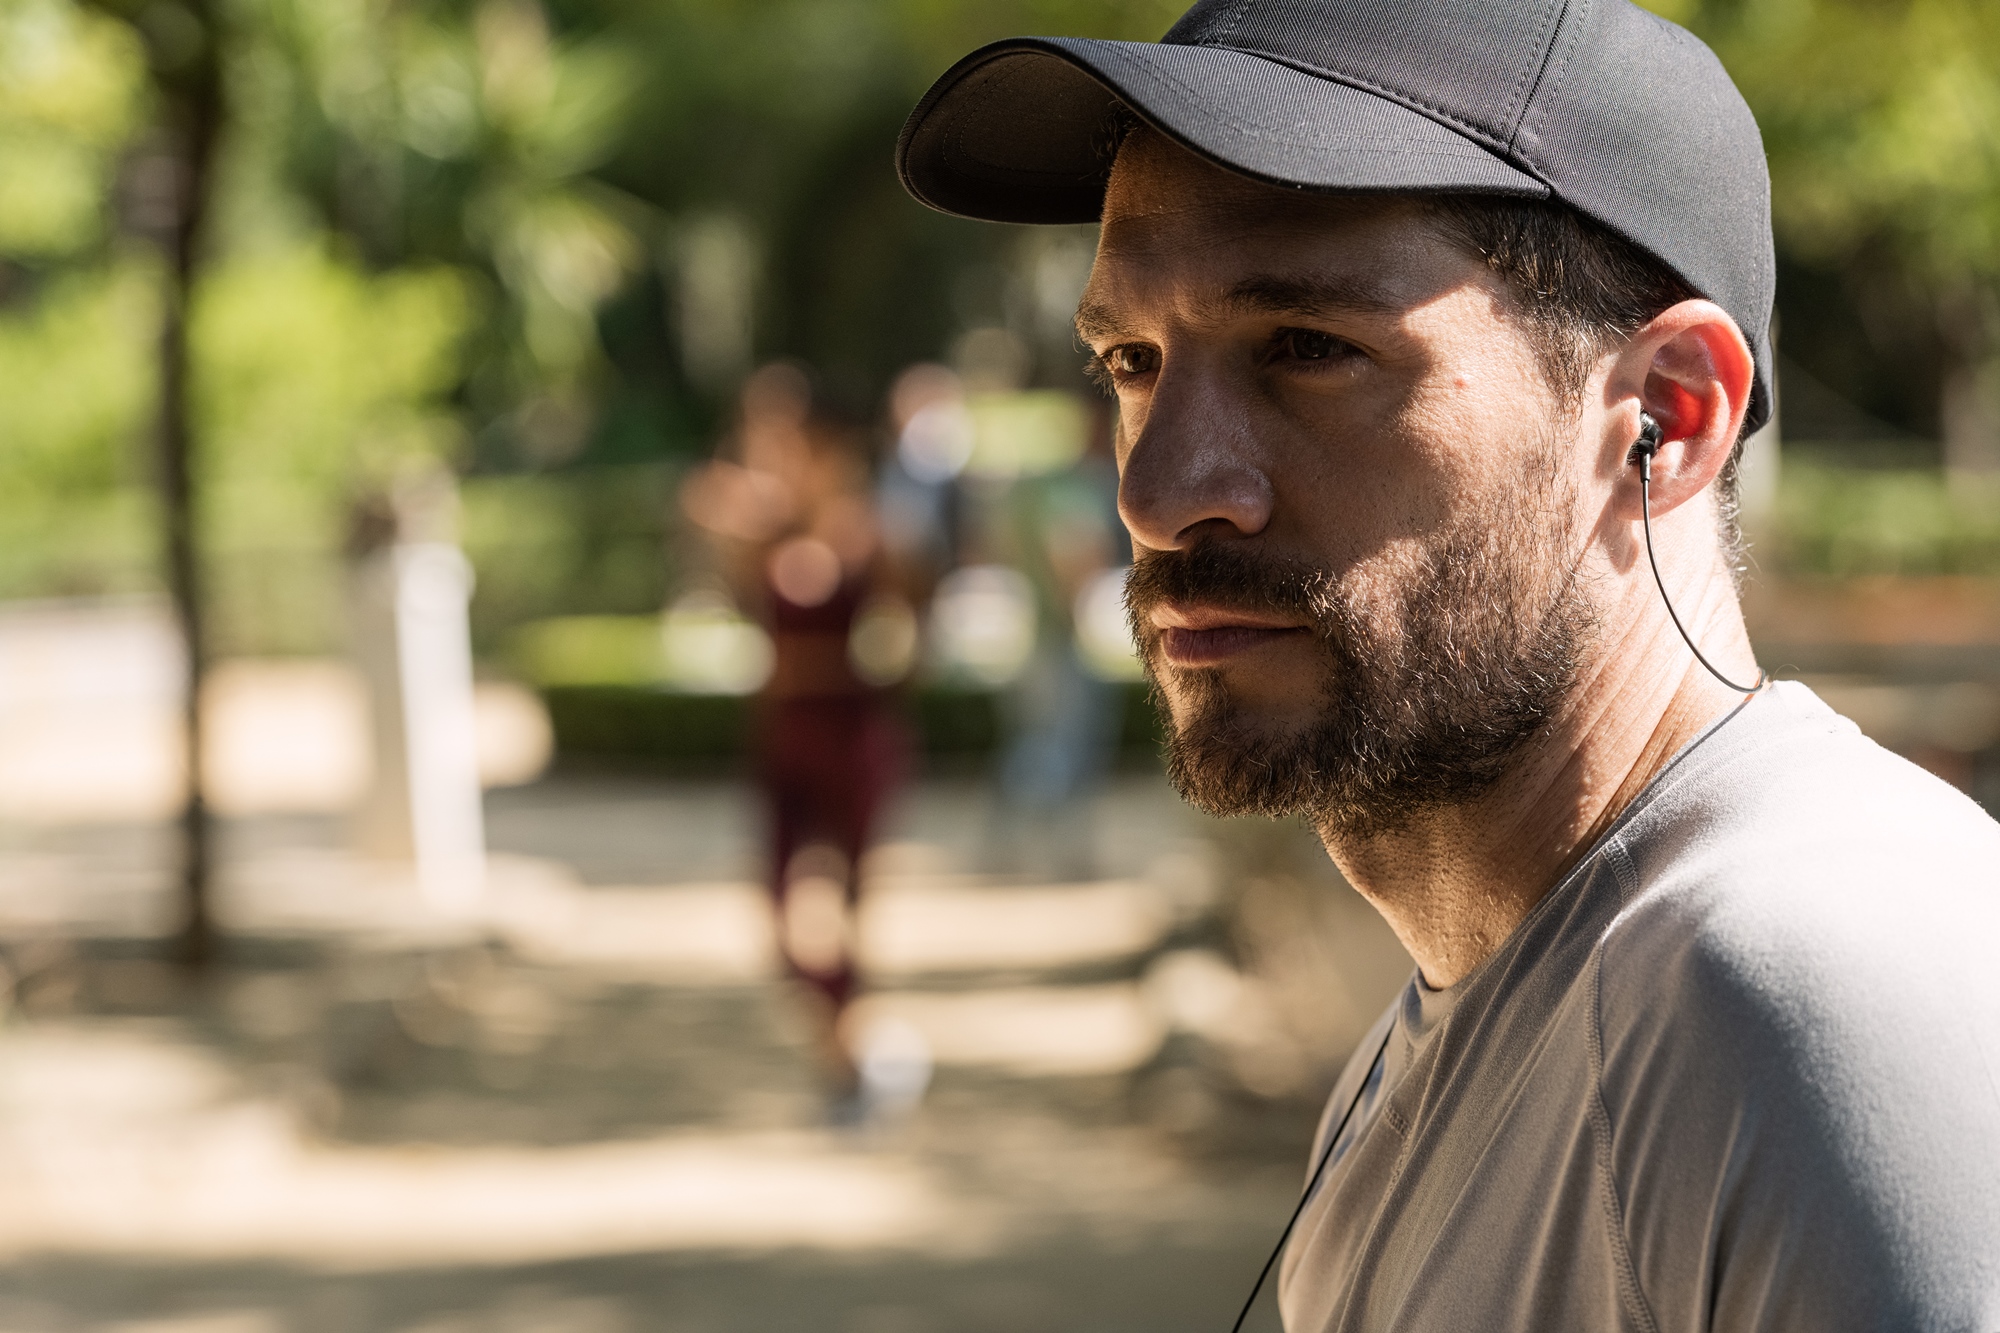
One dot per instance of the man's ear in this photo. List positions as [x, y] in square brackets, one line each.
[1692, 370]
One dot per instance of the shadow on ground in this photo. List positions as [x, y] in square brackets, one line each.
[606, 1120]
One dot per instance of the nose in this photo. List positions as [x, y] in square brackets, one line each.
[1190, 472]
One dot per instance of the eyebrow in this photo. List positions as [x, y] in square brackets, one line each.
[1095, 320]
[1312, 294]
[1263, 294]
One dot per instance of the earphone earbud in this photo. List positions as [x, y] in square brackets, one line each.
[1648, 444]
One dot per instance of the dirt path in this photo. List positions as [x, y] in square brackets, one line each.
[594, 1112]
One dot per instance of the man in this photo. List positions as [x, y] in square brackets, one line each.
[1706, 1028]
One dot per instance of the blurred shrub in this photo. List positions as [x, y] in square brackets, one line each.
[676, 732]
[589, 650]
[1841, 522]
[702, 645]
[315, 379]
[590, 542]
[956, 728]
[463, 135]
[315, 376]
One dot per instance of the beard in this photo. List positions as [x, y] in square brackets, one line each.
[1423, 705]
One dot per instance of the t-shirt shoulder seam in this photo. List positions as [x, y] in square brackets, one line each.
[1618, 857]
[1600, 1121]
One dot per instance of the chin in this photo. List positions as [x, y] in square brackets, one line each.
[1228, 755]
[1263, 706]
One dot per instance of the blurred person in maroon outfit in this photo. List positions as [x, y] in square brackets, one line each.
[803, 550]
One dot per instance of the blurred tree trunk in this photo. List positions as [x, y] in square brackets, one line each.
[172, 184]
[192, 106]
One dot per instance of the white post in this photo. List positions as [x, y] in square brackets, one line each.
[412, 640]
[434, 661]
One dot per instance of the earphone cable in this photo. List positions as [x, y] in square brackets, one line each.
[1325, 1159]
[1646, 519]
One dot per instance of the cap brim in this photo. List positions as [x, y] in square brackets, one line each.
[1024, 130]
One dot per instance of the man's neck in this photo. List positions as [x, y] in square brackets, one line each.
[1454, 882]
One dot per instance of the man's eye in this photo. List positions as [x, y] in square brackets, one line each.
[1132, 359]
[1312, 345]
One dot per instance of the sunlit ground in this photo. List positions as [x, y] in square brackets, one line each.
[592, 1108]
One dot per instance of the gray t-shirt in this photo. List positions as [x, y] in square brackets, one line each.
[1739, 1070]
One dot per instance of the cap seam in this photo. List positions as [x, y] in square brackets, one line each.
[1549, 62]
[1236, 14]
[1431, 111]
[1475, 152]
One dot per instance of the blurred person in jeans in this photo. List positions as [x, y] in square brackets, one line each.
[1061, 719]
[799, 539]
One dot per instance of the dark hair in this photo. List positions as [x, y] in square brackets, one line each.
[1584, 289]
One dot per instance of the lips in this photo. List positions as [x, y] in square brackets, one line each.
[1206, 636]
[1213, 647]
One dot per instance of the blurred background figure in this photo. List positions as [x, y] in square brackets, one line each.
[1063, 713]
[801, 545]
[1010, 485]
[931, 442]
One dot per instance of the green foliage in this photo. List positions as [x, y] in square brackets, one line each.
[91, 545]
[311, 374]
[780, 115]
[589, 650]
[707, 733]
[1882, 121]
[589, 542]
[70, 84]
[75, 380]
[687, 733]
[438, 136]
[315, 376]
[312, 377]
[464, 229]
[1837, 522]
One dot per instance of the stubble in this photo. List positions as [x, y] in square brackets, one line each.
[1423, 702]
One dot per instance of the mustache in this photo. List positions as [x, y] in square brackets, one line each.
[1228, 575]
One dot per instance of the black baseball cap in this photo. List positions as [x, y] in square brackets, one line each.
[1616, 112]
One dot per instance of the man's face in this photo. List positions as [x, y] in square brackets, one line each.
[1351, 488]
